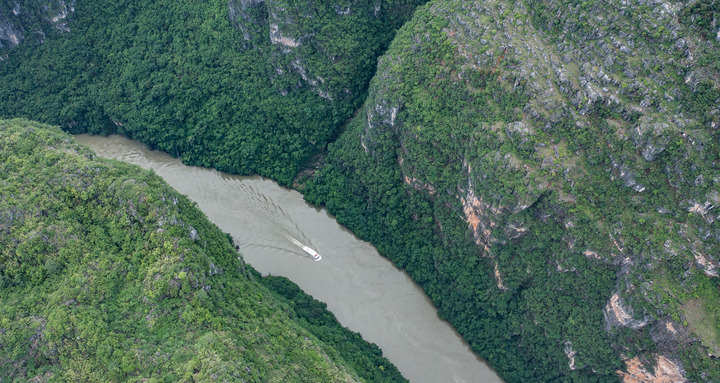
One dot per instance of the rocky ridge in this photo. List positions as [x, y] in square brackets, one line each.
[617, 104]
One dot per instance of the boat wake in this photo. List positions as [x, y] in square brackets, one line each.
[295, 241]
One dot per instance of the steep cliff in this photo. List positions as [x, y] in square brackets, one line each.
[22, 19]
[329, 45]
[548, 172]
[245, 86]
[108, 274]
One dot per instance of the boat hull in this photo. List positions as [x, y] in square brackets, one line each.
[312, 252]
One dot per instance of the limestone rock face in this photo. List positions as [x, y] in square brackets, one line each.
[305, 37]
[666, 371]
[247, 15]
[21, 20]
[517, 117]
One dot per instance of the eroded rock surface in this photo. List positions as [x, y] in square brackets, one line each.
[665, 371]
[596, 118]
[21, 20]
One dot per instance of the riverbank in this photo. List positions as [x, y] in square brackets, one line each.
[364, 290]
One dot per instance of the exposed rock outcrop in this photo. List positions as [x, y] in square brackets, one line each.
[301, 37]
[571, 355]
[594, 117]
[20, 20]
[617, 313]
[665, 371]
[249, 16]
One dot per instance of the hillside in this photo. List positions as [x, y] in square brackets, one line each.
[548, 171]
[245, 86]
[108, 274]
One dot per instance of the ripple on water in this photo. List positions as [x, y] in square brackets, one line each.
[364, 290]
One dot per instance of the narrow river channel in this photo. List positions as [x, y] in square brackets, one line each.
[364, 290]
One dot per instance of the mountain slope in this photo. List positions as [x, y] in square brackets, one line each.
[243, 86]
[548, 172]
[108, 274]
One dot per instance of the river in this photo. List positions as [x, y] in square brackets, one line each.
[364, 290]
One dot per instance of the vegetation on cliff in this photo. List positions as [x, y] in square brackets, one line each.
[548, 172]
[108, 274]
[243, 86]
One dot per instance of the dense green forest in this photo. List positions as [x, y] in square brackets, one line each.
[567, 231]
[178, 75]
[547, 170]
[108, 274]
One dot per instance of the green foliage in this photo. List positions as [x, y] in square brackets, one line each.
[179, 77]
[450, 128]
[107, 274]
[438, 130]
[701, 14]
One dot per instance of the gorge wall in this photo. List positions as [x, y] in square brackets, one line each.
[252, 87]
[575, 146]
[20, 20]
[108, 274]
[546, 170]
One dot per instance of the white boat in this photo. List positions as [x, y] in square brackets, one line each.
[312, 252]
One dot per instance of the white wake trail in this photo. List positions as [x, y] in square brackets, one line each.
[295, 241]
